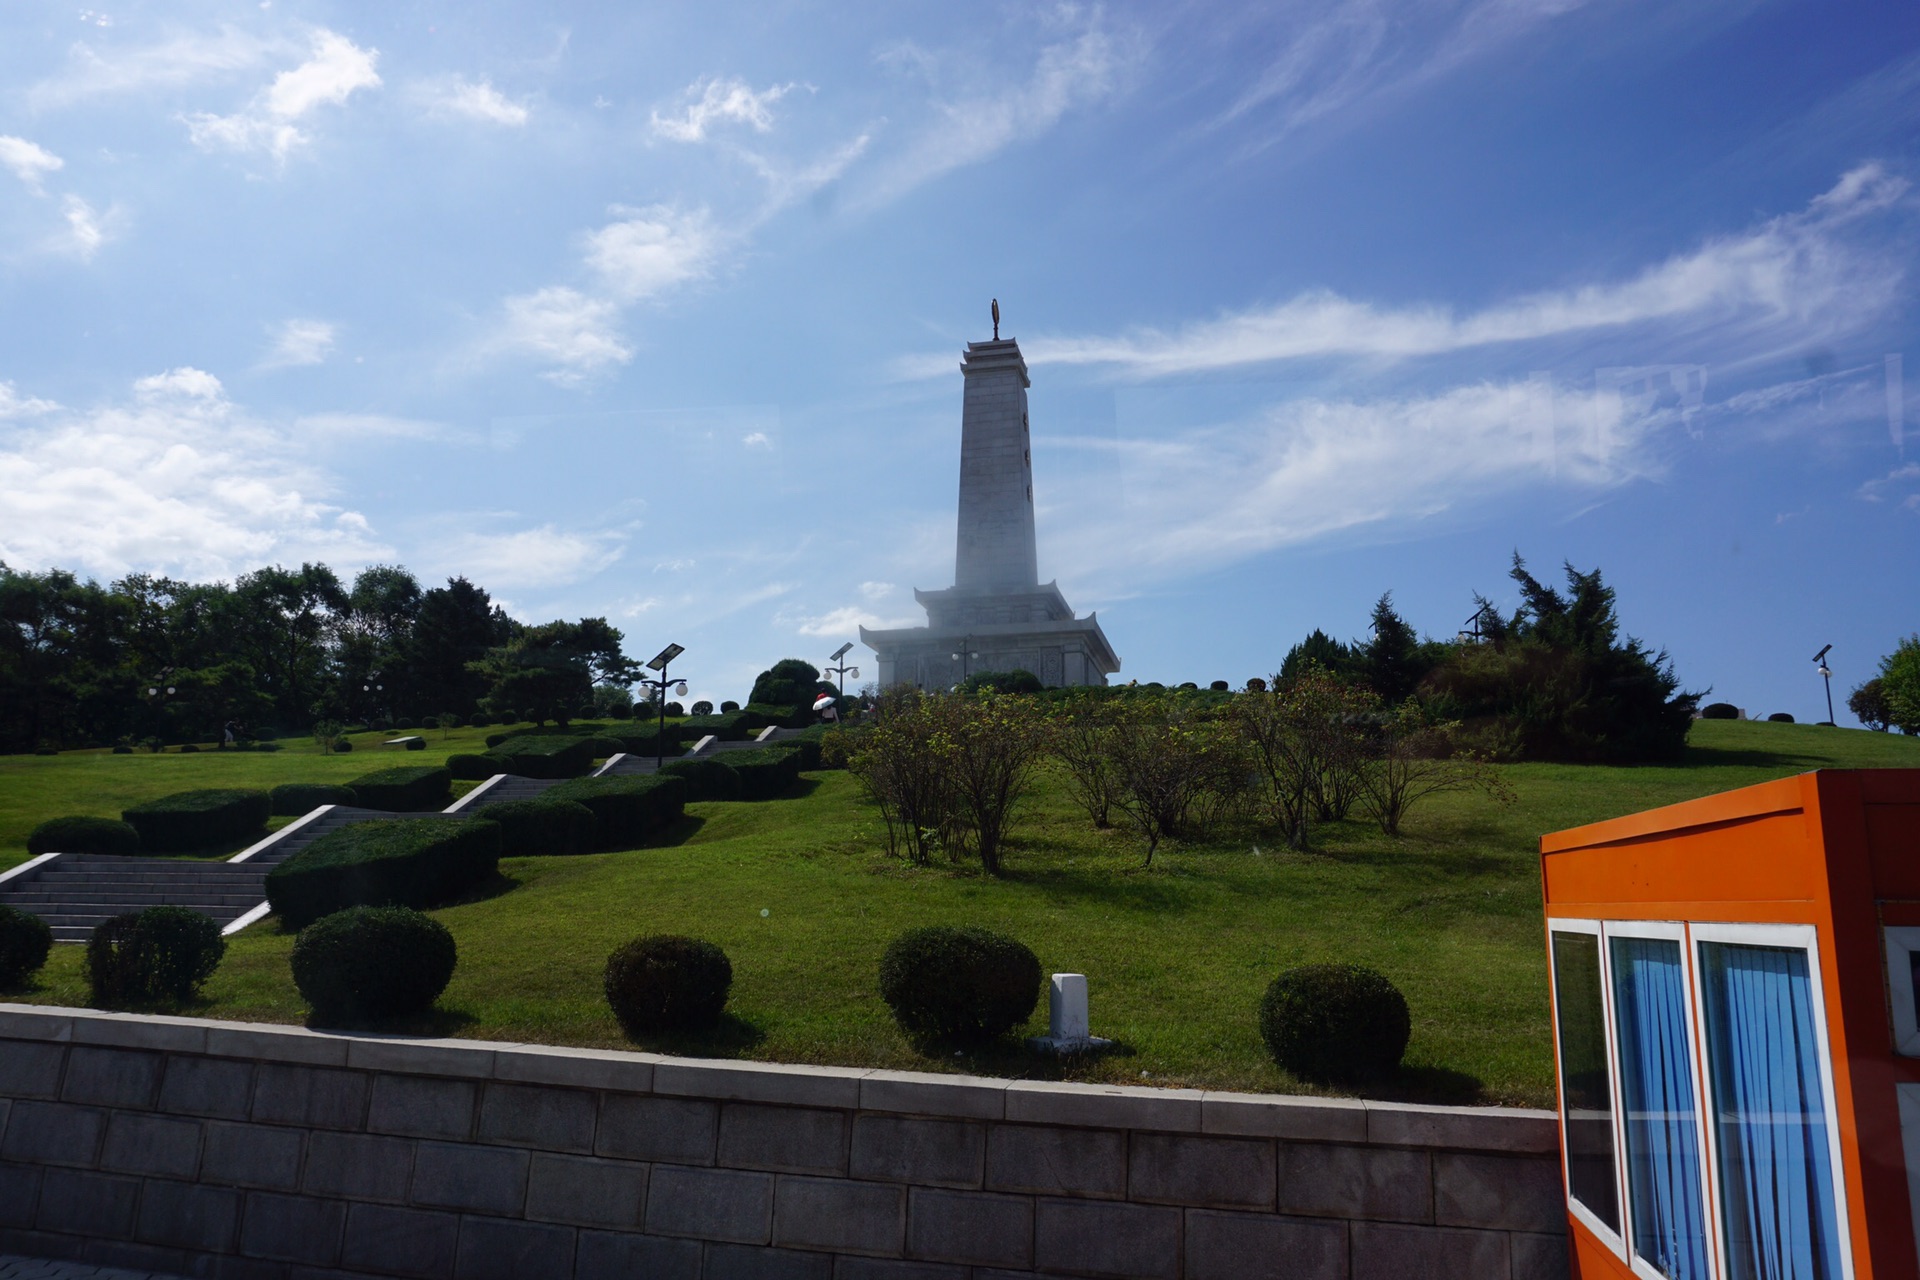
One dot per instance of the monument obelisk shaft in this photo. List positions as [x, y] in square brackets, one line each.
[995, 547]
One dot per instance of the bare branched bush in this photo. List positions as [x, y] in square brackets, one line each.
[1410, 759]
[1304, 738]
[1167, 754]
[1082, 743]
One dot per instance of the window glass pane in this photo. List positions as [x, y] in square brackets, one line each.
[1585, 1085]
[1663, 1123]
[1769, 1113]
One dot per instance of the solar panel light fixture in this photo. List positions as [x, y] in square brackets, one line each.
[659, 685]
[836, 666]
[1826, 675]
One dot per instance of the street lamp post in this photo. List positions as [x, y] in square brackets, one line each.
[843, 671]
[659, 686]
[966, 652]
[1826, 676]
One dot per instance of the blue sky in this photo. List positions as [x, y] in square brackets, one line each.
[655, 312]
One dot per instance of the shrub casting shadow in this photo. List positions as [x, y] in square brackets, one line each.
[1439, 1086]
[1010, 1057]
[1716, 757]
[677, 832]
[730, 1037]
[436, 1023]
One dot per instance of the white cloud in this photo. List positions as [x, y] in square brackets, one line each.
[876, 590]
[12, 406]
[29, 161]
[335, 69]
[331, 428]
[300, 342]
[175, 481]
[171, 64]
[576, 332]
[563, 328]
[991, 114]
[458, 96]
[184, 383]
[714, 101]
[844, 621]
[1795, 275]
[756, 440]
[541, 557]
[650, 250]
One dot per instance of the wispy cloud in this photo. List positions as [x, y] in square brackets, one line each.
[86, 230]
[175, 479]
[300, 342]
[545, 556]
[335, 69]
[172, 63]
[991, 112]
[28, 161]
[471, 100]
[715, 101]
[1901, 485]
[1797, 274]
[1330, 57]
[12, 405]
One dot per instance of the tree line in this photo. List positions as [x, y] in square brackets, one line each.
[276, 651]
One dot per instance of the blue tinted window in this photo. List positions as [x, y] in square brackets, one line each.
[1662, 1118]
[1768, 1082]
[1586, 1087]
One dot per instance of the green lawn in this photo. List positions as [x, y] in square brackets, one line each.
[1176, 957]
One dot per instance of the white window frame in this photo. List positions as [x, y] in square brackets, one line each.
[1791, 937]
[1607, 1235]
[1900, 942]
[1669, 931]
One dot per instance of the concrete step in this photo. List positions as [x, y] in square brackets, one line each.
[139, 894]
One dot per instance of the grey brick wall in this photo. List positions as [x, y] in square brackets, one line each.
[228, 1150]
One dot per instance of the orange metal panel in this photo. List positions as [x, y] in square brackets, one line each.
[1729, 806]
[1745, 859]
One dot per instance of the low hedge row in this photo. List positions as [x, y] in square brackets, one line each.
[406, 789]
[84, 835]
[627, 811]
[706, 777]
[729, 726]
[467, 767]
[293, 799]
[544, 756]
[764, 772]
[189, 820]
[543, 828]
[412, 862]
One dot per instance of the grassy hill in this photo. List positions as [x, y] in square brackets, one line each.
[803, 897]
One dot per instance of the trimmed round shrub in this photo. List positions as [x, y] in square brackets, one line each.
[122, 750]
[162, 953]
[25, 942]
[372, 962]
[266, 746]
[727, 706]
[293, 799]
[467, 767]
[343, 745]
[620, 711]
[703, 708]
[667, 983]
[1780, 717]
[543, 828]
[479, 719]
[1719, 711]
[187, 749]
[966, 985]
[416, 744]
[1220, 686]
[84, 835]
[1335, 1023]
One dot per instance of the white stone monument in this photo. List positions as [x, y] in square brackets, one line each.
[997, 615]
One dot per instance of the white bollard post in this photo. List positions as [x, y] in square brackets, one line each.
[1067, 1011]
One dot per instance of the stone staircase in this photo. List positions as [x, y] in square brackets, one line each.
[76, 892]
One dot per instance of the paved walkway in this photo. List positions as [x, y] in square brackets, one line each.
[12, 1268]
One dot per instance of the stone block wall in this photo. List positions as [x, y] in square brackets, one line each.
[235, 1150]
